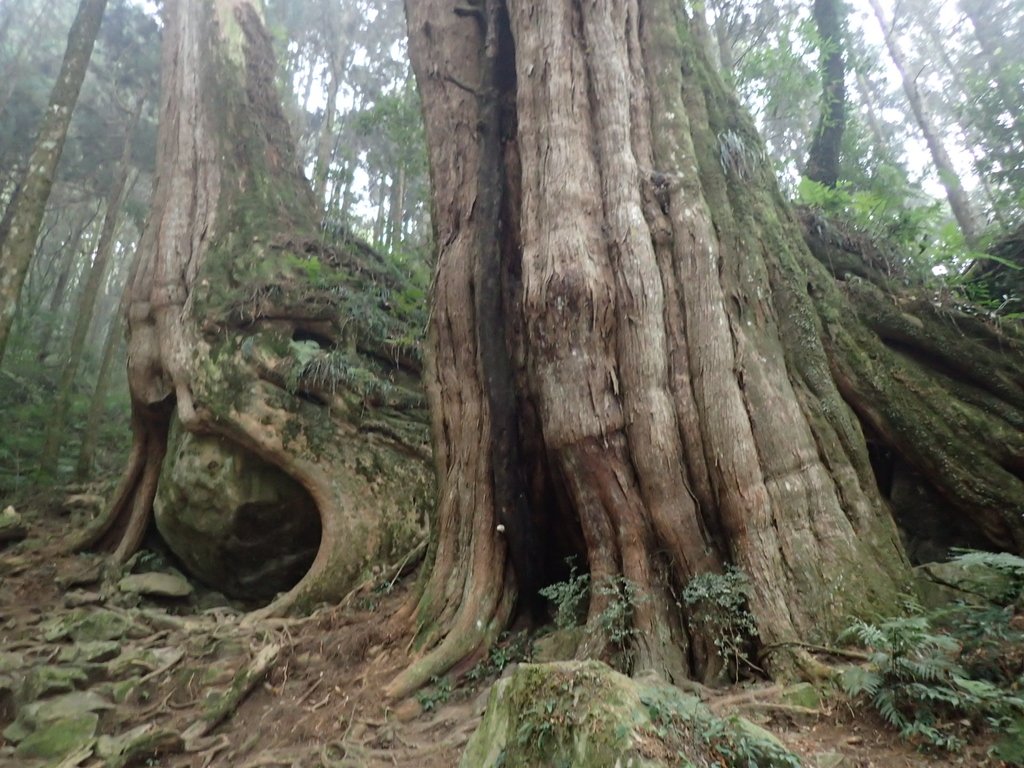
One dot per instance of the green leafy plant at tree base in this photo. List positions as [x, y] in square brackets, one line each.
[510, 649]
[716, 605]
[439, 693]
[569, 598]
[727, 742]
[615, 622]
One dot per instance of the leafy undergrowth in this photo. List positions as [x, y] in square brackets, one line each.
[940, 677]
[104, 671]
[27, 399]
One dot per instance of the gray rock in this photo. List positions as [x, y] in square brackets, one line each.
[156, 584]
[236, 522]
[11, 662]
[801, 695]
[12, 527]
[83, 625]
[94, 652]
[60, 737]
[84, 502]
[941, 583]
[144, 741]
[49, 680]
[559, 645]
[79, 598]
[62, 707]
[831, 760]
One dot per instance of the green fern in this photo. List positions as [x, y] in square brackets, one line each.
[915, 680]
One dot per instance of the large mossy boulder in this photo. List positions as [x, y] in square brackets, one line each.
[585, 714]
[236, 522]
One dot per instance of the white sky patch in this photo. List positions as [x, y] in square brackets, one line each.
[918, 157]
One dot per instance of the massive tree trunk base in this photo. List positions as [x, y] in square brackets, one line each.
[346, 425]
[245, 325]
[123, 525]
[686, 383]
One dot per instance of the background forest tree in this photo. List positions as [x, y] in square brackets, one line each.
[925, 121]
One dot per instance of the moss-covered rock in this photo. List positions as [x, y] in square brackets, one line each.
[235, 521]
[59, 737]
[94, 652]
[156, 584]
[12, 527]
[801, 695]
[85, 625]
[132, 747]
[46, 681]
[584, 714]
[11, 662]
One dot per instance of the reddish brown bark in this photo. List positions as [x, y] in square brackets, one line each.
[674, 411]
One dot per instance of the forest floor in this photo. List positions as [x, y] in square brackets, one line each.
[98, 671]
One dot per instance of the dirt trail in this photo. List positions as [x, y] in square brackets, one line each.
[107, 672]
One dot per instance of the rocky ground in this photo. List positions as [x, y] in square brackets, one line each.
[143, 667]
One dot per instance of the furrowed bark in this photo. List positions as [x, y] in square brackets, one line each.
[676, 408]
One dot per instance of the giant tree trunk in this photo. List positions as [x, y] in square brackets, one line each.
[667, 407]
[636, 360]
[246, 330]
[18, 238]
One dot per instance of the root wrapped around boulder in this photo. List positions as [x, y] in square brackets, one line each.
[284, 354]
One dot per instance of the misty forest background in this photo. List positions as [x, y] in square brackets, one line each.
[351, 98]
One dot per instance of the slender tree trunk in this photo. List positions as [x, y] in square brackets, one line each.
[337, 191]
[13, 69]
[823, 158]
[726, 55]
[869, 97]
[967, 124]
[307, 89]
[56, 424]
[70, 253]
[396, 211]
[6, 18]
[98, 401]
[18, 240]
[380, 219]
[346, 198]
[948, 177]
[325, 143]
[992, 45]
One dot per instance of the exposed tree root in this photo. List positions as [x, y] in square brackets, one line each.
[241, 686]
